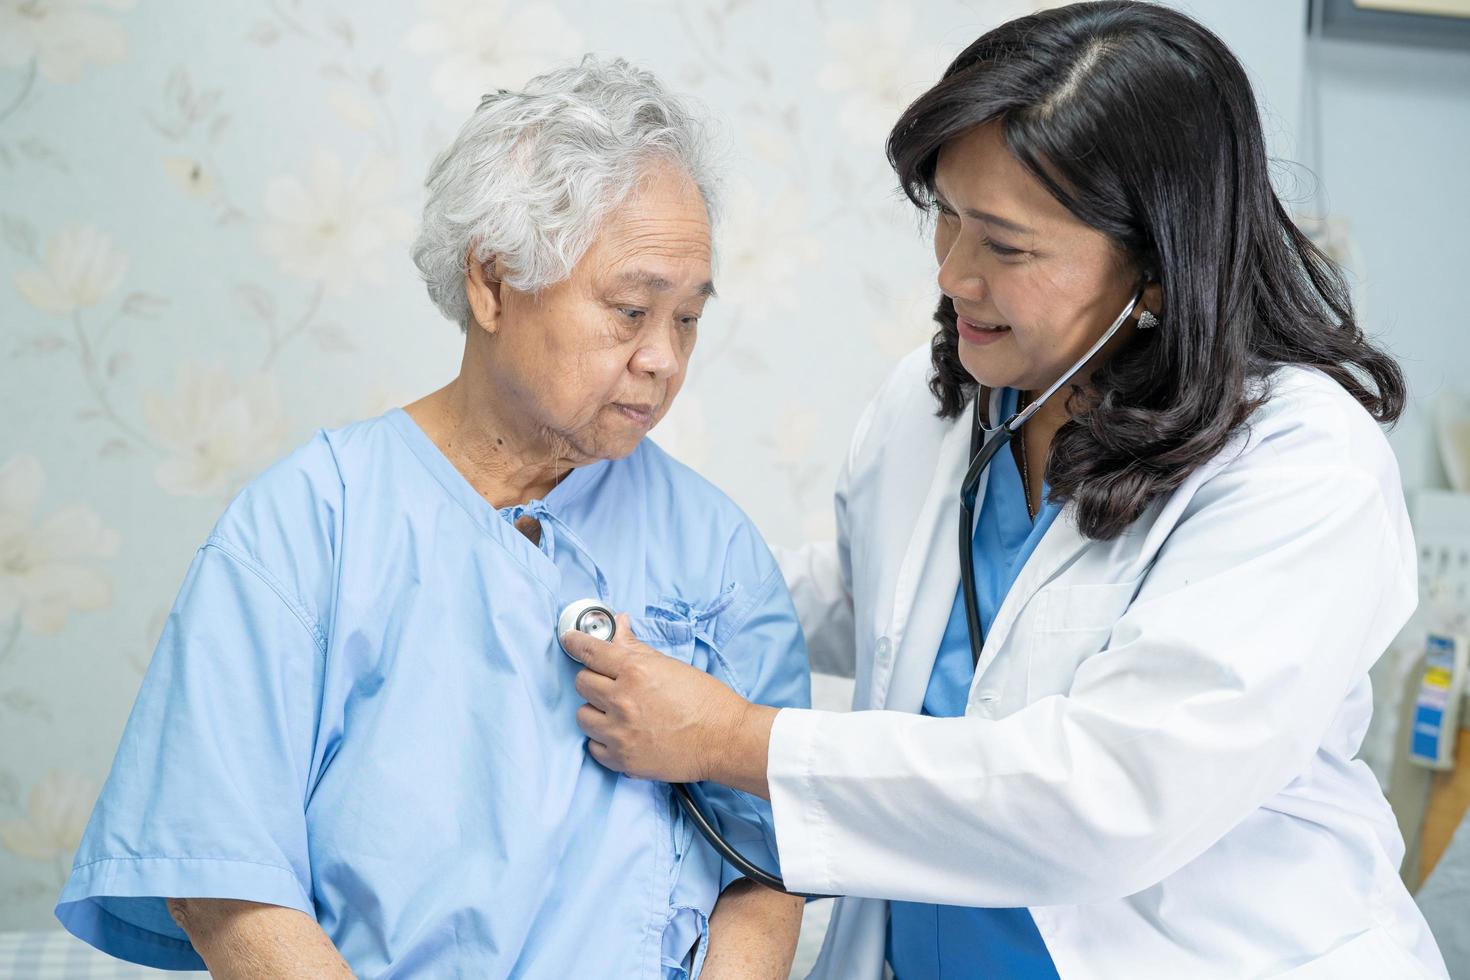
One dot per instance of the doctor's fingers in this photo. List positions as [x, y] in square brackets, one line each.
[596, 689]
[594, 723]
[624, 636]
[594, 654]
[602, 740]
[605, 756]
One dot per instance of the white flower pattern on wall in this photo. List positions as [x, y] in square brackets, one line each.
[56, 815]
[217, 431]
[190, 176]
[874, 63]
[684, 431]
[330, 227]
[82, 267]
[45, 566]
[359, 90]
[58, 38]
[481, 45]
[195, 121]
[765, 245]
[902, 318]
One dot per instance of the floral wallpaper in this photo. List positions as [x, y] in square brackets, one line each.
[205, 210]
[204, 218]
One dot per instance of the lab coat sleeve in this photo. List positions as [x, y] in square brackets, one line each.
[761, 655]
[1272, 596]
[819, 576]
[820, 583]
[206, 797]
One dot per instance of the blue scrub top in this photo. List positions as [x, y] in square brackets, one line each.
[930, 942]
[359, 709]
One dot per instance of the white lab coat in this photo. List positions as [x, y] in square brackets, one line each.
[1157, 752]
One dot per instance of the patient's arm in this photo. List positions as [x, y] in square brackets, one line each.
[250, 941]
[752, 934]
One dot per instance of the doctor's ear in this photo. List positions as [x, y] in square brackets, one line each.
[482, 287]
[1151, 302]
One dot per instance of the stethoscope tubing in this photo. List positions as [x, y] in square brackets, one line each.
[983, 453]
[710, 833]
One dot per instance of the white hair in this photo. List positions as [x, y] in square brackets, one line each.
[532, 174]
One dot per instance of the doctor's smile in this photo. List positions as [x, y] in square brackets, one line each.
[492, 685]
[1114, 553]
[974, 332]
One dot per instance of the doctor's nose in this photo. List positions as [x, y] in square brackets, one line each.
[960, 279]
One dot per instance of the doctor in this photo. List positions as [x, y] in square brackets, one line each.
[1185, 562]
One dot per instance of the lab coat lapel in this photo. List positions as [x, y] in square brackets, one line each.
[929, 580]
[1056, 550]
[925, 588]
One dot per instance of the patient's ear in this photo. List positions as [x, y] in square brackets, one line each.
[482, 288]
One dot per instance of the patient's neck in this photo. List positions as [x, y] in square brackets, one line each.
[505, 465]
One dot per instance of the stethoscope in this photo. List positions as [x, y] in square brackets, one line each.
[994, 440]
[596, 619]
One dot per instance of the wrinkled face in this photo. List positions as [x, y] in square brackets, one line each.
[1033, 286]
[595, 361]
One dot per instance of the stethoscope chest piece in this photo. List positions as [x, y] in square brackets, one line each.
[594, 618]
[588, 616]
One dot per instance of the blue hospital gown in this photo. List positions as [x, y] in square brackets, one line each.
[359, 709]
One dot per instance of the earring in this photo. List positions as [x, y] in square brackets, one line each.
[1147, 321]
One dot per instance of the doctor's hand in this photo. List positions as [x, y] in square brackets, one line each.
[654, 717]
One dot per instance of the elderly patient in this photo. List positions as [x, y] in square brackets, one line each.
[357, 738]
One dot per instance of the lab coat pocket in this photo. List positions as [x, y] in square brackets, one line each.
[1073, 622]
[1370, 955]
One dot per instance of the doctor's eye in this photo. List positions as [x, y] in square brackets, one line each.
[631, 312]
[689, 322]
[1004, 251]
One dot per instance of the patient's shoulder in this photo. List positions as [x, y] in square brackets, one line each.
[286, 524]
[297, 498]
[657, 466]
[699, 514]
[680, 498]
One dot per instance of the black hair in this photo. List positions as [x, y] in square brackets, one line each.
[1143, 125]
